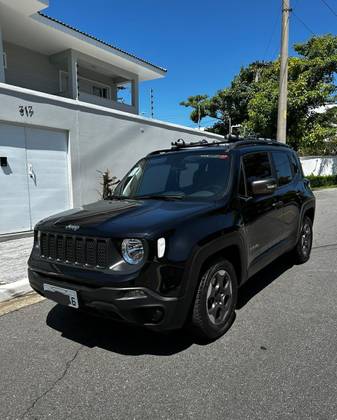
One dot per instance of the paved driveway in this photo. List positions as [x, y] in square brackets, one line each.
[13, 259]
[278, 361]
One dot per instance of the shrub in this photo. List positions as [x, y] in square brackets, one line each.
[322, 180]
[108, 184]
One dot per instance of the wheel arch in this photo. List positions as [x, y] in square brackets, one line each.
[232, 254]
[307, 210]
[310, 212]
[230, 247]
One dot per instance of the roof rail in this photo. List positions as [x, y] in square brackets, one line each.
[181, 143]
[233, 141]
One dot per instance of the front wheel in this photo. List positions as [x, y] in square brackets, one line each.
[303, 248]
[215, 301]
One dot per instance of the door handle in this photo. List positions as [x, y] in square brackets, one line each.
[30, 170]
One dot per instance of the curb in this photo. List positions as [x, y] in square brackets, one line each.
[13, 290]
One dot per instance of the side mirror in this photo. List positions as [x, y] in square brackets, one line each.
[263, 186]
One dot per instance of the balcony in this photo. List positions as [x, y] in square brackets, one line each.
[70, 74]
[108, 103]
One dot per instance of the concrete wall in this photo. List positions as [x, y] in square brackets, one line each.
[319, 165]
[99, 138]
[2, 67]
[29, 69]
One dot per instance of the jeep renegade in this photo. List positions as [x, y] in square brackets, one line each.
[184, 229]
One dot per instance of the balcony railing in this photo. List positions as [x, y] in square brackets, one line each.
[108, 103]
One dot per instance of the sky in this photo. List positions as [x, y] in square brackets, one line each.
[202, 44]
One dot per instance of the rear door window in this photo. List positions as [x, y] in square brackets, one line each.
[282, 167]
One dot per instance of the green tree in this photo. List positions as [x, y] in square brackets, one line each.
[252, 97]
[199, 104]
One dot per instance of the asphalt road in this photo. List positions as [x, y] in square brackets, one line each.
[278, 360]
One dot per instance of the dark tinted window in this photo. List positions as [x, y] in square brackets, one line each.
[257, 166]
[295, 165]
[189, 175]
[282, 167]
[242, 184]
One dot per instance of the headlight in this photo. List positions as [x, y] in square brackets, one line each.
[133, 251]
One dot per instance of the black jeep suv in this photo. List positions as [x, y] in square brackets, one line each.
[185, 228]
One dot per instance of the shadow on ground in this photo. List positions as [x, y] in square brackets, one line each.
[92, 331]
[263, 279]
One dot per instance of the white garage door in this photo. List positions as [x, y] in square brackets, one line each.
[34, 179]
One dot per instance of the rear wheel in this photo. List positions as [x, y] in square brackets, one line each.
[215, 302]
[303, 248]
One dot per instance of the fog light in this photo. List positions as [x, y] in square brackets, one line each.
[157, 315]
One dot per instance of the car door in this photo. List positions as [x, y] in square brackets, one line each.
[288, 194]
[261, 218]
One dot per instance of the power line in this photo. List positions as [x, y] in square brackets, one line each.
[271, 36]
[329, 7]
[303, 23]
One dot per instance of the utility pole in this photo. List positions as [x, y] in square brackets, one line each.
[151, 103]
[199, 115]
[283, 89]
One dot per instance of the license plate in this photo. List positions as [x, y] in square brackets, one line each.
[60, 295]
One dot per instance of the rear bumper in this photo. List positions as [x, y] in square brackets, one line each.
[136, 305]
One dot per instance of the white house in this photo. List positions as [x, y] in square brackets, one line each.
[68, 108]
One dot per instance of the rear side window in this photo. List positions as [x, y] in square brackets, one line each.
[283, 168]
[257, 166]
[295, 165]
[242, 184]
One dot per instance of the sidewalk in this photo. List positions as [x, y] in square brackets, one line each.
[13, 267]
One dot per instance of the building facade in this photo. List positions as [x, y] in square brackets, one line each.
[68, 109]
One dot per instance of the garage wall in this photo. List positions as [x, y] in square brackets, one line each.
[99, 138]
[34, 181]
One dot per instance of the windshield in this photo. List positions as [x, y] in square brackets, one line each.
[177, 176]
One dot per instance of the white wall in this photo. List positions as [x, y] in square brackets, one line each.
[2, 68]
[30, 68]
[319, 165]
[99, 138]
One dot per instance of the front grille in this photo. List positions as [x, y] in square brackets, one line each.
[75, 249]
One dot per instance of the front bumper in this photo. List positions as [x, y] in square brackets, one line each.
[136, 305]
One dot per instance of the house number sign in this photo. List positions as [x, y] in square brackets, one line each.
[27, 111]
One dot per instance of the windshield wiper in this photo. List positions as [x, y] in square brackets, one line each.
[159, 197]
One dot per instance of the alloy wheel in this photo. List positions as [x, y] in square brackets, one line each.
[219, 297]
[306, 238]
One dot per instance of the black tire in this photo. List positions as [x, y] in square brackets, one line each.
[214, 308]
[301, 252]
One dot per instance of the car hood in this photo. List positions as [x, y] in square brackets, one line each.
[126, 218]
